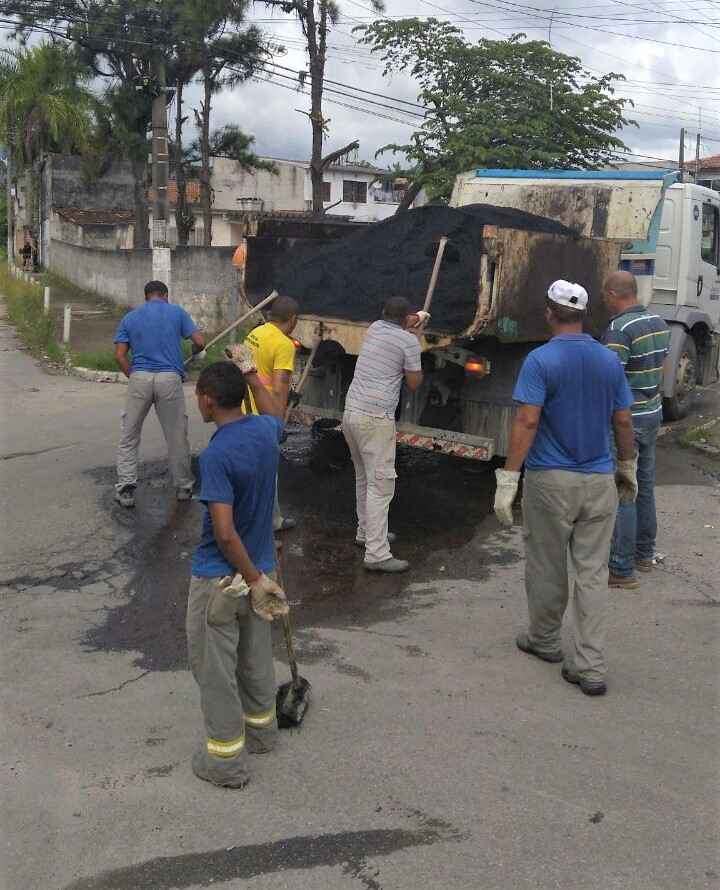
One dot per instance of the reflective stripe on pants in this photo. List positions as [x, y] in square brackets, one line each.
[233, 666]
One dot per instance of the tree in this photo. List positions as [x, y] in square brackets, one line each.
[316, 19]
[206, 41]
[45, 97]
[125, 41]
[45, 105]
[496, 103]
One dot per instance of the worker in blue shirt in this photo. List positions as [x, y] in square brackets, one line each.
[148, 349]
[233, 596]
[569, 393]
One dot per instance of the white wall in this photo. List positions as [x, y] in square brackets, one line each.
[284, 190]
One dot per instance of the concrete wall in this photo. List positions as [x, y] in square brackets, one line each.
[119, 275]
[201, 279]
[204, 282]
[67, 187]
[282, 191]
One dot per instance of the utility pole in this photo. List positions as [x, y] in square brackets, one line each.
[160, 155]
[697, 145]
[681, 158]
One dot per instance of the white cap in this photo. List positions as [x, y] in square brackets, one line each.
[565, 293]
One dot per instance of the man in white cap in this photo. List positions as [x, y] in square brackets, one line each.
[568, 394]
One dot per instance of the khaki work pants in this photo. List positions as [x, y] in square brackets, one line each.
[232, 664]
[568, 520]
[165, 391]
[371, 441]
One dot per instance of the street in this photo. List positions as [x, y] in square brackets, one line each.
[434, 754]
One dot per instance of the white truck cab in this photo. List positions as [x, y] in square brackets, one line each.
[669, 233]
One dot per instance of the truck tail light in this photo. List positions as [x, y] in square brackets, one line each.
[476, 367]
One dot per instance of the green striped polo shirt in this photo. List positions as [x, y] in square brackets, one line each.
[641, 340]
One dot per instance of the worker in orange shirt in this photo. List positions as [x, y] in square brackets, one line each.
[274, 354]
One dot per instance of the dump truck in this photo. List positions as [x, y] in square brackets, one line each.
[509, 234]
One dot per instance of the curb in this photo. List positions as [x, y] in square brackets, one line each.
[98, 376]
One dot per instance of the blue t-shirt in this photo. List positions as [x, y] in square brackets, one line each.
[239, 467]
[154, 331]
[578, 389]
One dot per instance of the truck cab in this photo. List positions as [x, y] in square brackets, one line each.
[669, 235]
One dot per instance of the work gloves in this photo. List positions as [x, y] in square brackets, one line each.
[226, 600]
[198, 352]
[626, 480]
[267, 599]
[242, 356]
[424, 318]
[507, 486]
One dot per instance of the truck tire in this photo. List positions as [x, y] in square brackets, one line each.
[685, 371]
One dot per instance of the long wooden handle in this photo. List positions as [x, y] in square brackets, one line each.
[304, 375]
[435, 273]
[287, 627]
[238, 321]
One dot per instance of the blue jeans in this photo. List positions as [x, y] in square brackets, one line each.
[636, 524]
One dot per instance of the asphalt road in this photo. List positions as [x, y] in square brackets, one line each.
[435, 754]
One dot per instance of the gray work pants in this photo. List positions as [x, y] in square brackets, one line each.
[371, 441]
[165, 391]
[568, 520]
[232, 664]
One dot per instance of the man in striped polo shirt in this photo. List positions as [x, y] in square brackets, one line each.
[640, 339]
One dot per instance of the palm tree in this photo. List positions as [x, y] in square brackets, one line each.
[45, 105]
[45, 101]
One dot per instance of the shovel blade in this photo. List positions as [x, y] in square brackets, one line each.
[292, 703]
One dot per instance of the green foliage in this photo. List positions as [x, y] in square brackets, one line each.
[45, 101]
[100, 360]
[231, 142]
[489, 103]
[3, 219]
[25, 310]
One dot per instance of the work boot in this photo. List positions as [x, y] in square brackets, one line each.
[589, 687]
[125, 496]
[391, 565]
[184, 494]
[629, 583]
[644, 565]
[522, 641]
[224, 774]
[391, 538]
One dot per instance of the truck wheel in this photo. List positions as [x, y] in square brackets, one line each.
[681, 403]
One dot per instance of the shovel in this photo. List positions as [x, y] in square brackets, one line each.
[293, 698]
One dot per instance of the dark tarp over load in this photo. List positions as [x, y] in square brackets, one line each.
[351, 278]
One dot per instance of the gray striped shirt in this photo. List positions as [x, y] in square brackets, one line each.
[387, 352]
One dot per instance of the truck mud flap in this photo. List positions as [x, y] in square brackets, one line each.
[427, 438]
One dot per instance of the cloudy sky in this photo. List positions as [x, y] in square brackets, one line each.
[668, 50]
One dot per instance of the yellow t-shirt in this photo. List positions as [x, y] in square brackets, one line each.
[273, 351]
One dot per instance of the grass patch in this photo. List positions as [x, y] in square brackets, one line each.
[24, 303]
[699, 435]
[101, 360]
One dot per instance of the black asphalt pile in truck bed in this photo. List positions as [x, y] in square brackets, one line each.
[351, 278]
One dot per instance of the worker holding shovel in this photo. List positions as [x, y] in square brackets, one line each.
[233, 597]
[390, 354]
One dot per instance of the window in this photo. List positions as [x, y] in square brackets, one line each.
[354, 192]
[326, 190]
[709, 243]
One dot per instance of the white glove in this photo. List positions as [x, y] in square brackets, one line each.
[267, 599]
[626, 480]
[507, 486]
[243, 356]
[225, 601]
[424, 318]
[200, 356]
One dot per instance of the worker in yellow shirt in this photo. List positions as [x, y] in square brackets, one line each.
[274, 354]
